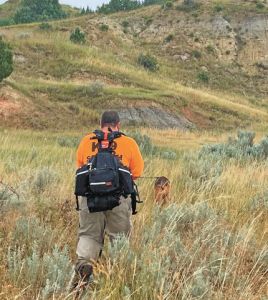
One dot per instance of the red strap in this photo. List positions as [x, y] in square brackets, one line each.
[105, 136]
[105, 142]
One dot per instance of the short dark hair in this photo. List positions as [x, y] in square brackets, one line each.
[110, 118]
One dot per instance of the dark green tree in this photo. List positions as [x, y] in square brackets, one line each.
[152, 2]
[6, 60]
[88, 10]
[38, 10]
[78, 36]
[119, 5]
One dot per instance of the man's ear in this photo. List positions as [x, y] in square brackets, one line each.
[118, 125]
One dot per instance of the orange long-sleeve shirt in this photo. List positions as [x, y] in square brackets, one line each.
[125, 148]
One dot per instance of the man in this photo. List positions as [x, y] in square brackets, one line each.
[93, 226]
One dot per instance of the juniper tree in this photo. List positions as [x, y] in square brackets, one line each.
[36, 10]
[6, 60]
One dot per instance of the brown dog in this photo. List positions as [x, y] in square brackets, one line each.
[162, 190]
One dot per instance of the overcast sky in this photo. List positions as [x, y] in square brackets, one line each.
[79, 3]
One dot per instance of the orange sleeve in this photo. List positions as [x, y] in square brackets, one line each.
[136, 165]
[80, 154]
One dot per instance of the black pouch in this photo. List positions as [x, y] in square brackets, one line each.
[102, 203]
[126, 181]
[81, 181]
[103, 181]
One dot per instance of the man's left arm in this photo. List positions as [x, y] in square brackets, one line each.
[136, 164]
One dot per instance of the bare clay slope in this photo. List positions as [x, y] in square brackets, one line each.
[212, 69]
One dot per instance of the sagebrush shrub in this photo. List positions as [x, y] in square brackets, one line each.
[43, 178]
[148, 148]
[185, 252]
[144, 142]
[45, 26]
[95, 89]
[240, 148]
[34, 259]
[69, 142]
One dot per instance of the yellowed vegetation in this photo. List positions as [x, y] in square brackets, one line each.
[26, 154]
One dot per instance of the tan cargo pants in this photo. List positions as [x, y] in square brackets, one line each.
[93, 226]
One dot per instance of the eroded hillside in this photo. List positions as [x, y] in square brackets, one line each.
[213, 69]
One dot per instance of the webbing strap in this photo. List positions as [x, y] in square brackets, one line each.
[77, 204]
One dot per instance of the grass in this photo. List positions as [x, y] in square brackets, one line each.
[216, 212]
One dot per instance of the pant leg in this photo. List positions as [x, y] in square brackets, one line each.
[118, 220]
[90, 233]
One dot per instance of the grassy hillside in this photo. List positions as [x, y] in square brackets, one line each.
[62, 85]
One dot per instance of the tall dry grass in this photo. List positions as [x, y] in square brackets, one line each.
[210, 242]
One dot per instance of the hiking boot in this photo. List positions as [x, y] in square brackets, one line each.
[85, 272]
[82, 276]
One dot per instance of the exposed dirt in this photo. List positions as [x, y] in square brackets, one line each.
[198, 119]
[13, 106]
[7, 107]
[153, 117]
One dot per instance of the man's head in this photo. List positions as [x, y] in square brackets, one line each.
[110, 119]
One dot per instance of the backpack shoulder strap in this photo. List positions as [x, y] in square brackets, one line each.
[107, 137]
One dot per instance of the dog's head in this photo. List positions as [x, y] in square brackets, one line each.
[162, 190]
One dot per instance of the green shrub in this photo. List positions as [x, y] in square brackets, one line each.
[6, 60]
[196, 54]
[149, 21]
[218, 7]
[167, 5]
[169, 38]
[45, 26]
[125, 24]
[203, 76]
[188, 6]
[104, 27]
[148, 62]
[210, 49]
[260, 6]
[78, 36]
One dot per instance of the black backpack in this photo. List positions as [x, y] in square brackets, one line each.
[104, 179]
